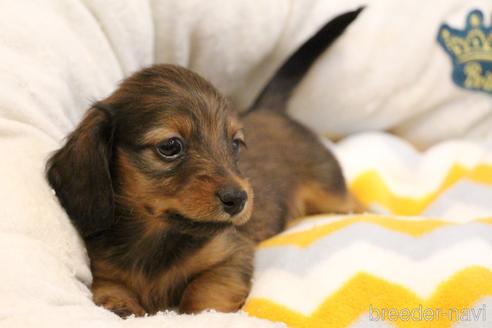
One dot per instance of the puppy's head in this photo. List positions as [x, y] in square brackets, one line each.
[163, 148]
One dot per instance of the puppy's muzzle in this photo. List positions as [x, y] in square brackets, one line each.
[232, 199]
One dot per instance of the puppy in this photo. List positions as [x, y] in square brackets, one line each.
[170, 202]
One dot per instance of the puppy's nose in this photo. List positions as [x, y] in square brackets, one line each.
[233, 199]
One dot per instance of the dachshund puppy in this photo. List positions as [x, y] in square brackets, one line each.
[170, 202]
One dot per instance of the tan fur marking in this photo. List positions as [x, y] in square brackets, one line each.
[171, 127]
[311, 198]
[235, 127]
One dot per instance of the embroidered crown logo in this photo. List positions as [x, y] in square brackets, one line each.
[471, 52]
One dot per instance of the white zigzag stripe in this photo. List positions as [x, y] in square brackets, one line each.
[306, 293]
[404, 170]
[320, 220]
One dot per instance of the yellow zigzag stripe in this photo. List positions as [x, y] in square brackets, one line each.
[485, 220]
[461, 291]
[371, 188]
[307, 237]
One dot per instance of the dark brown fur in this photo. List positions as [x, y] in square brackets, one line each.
[156, 232]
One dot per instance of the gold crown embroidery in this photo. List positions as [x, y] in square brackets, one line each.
[471, 52]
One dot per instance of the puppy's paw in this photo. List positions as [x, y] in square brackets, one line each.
[117, 299]
[223, 288]
[122, 307]
[222, 302]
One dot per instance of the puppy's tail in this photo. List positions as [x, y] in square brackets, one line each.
[280, 88]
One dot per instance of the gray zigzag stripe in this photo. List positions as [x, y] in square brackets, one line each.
[416, 248]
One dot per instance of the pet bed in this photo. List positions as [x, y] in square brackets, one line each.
[58, 56]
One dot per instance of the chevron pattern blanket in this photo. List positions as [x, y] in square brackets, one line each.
[424, 260]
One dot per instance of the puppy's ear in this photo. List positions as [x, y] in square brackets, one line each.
[80, 173]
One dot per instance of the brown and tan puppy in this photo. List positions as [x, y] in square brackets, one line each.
[170, 202]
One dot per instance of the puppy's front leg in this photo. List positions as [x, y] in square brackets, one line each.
[223, 287]
[116, 298]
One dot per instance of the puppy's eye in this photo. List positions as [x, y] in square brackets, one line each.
[170, 149]
[237, 143]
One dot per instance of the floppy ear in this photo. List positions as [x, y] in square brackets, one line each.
[80, 173]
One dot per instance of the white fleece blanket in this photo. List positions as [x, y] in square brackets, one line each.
[57, 56]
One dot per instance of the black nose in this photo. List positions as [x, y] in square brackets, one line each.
[233, 199]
